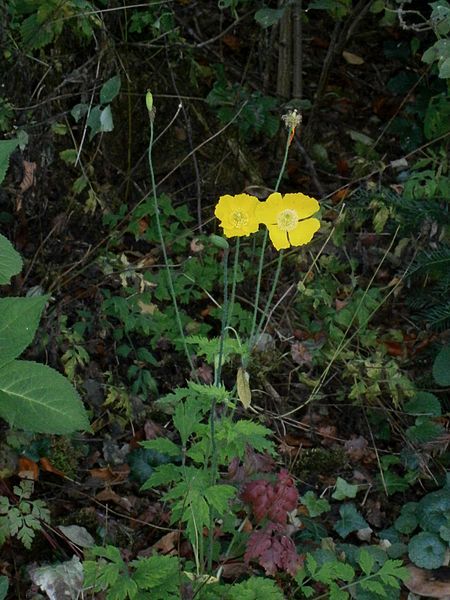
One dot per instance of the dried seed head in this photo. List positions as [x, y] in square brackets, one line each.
[292, 119]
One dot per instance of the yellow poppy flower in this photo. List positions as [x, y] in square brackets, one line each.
[237, 214]
[287, 219]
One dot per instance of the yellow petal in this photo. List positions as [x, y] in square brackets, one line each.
[278, 237]
[305, 206]
[242, 205]
[304, 232]
[235, 232]
[224, 206]
[266, 212]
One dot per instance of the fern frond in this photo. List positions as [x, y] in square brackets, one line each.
[434, 263]
[437, 317]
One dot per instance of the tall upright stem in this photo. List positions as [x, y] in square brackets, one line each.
[164, 249]
[264, 244]
[217, 378]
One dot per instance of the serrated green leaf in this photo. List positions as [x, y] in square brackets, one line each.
[316, 506]
[335, 593]
[393, 569]
[219, 497]
[110, 89]
[186, 418]
[10, 261]
[123, 589]
[7, 147]
[19, 319]
[157, 573]
[371, 585]
[163, 475]
[255, 588]
[334, 570]
[162, 445]
[37, 398]
[366, 562]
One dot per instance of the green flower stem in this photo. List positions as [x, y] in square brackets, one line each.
[217, 378]
[233, 283]
[271, 294]
[164, 249]
[263, 249]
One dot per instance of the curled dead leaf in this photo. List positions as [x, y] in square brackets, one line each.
[352, 59]
[243, 387]
[46, 465]
[108, 495]
[196, 246]
[168, 544]
[29, 169]
[28, 469]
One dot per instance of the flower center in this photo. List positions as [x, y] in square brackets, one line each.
[287, 220]
[239, 219]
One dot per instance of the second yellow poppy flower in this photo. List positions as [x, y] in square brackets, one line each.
[288, 219]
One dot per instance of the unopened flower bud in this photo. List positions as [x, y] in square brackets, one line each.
[219, 241]
[149, 101]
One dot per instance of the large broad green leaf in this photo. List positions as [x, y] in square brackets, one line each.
[426, 550]
[7, 147]
[441, 367]
[37, 398]
[351, 520]
[19, 318]
[10, 261]
[110, 89]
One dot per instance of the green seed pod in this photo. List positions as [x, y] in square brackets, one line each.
[219, 241]
[149, 101]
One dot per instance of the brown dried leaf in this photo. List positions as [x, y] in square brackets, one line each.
[28, 469]
[205, 373]
[243, 387]
[108, 495]
[29, 169]
[196, 246]
[153, 430]
[301, 354]
[328, 434]
[356, 448]
[352, 59]
[46, 465]
[168, 544]
[432, 584]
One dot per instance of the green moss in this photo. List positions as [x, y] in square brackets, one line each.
[320, 461]
[65, 455]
